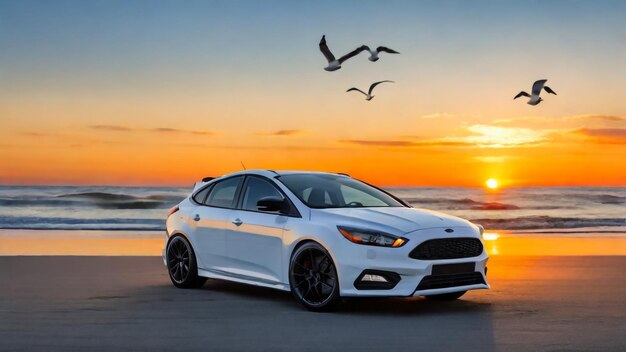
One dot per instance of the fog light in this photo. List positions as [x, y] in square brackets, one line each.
[373, 278]
[376, 280]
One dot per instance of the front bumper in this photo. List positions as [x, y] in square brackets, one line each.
[352, 259]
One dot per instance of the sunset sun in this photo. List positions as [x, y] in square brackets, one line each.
[492, 183]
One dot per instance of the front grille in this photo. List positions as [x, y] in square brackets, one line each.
[452, 280]
[447, 248]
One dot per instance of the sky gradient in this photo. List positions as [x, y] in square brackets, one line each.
[164, 93]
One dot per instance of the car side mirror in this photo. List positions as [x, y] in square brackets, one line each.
[271, 204]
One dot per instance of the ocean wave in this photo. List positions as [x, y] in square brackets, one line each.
[464, 203]
[548, 222]
[592, 197]
[97, 196]
[65, 223]
[102, 200]
[603, 198]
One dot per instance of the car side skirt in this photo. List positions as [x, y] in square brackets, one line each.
[214, 274]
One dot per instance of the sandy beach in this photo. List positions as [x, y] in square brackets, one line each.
[552, 302]
[150, 243]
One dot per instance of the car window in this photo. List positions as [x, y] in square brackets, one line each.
[223, 193]
[355, 197]
[319, 197]
[257, 188]
[200, 197]
[336, 191]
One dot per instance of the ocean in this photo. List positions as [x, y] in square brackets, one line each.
[528, 210]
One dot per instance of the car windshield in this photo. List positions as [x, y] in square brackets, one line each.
[336, 191]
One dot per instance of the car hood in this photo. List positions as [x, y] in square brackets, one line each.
[395, 220]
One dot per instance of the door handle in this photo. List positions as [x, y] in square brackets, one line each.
[237, 222]
[196, 218]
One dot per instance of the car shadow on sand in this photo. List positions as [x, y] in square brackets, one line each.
[216, 290]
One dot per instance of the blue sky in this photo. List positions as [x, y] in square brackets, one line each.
[45, 39]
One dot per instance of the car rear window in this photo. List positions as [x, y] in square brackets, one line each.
[223, 193]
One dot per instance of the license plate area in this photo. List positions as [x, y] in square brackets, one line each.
[457, 268]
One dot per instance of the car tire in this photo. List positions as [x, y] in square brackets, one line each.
[313, 278]
[181, 264]
[446, 296]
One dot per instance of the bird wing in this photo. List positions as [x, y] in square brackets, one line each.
[522, 94]
[386, 49]
[375, 84]
[538, 85]
[354, 52]
[357, 89]
[549, 90]
[324, 49]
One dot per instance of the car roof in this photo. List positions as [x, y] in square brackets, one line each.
[266, 173]
[274, 173]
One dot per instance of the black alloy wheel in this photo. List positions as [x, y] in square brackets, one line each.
[181, 264]
[313, 277]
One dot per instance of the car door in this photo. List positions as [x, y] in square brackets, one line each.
[255, 238]
[209, 223]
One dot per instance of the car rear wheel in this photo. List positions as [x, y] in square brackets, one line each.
[181, 264]
[446, 296]
[313, 278]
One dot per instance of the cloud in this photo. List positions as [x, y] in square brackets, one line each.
[121, 128]
[111, 128]
[281, 133]
[492, 159]
[176, 130]
[437, 115]
[514, 120]
[539, 119]
[164, 129]
[486, 136]
[380, 143]
[602, 135]
[401, 143]
[36, 134]
[480, 136]
[608, 118]
[276, 148]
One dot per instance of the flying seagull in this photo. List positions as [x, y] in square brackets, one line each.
[374, 53]
[368, 95]
[535, 98]
[334, 64]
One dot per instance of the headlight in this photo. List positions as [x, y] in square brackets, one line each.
[371, 238]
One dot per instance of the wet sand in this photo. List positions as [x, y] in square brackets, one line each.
[127, 303]
[150, 243]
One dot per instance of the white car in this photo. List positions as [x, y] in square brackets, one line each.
[322, 236]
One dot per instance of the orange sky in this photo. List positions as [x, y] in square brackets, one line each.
[538, 154]
[114, 97]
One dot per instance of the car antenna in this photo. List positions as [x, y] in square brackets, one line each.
[244, 166]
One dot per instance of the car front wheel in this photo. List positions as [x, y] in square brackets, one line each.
[313, 278]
